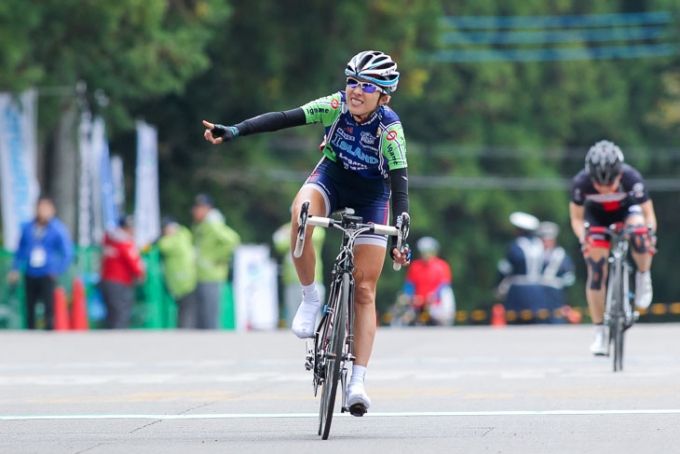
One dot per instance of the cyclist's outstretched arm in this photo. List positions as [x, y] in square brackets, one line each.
[272, 121]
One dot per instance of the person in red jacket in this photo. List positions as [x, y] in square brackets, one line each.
[121, 268]
[428, 284]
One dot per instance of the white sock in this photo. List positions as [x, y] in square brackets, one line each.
[599, 328]
[358, 375]
[309, 294]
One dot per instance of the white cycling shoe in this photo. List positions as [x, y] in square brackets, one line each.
[643, 289]
[304, 322]
[357, 400]
[598, 347]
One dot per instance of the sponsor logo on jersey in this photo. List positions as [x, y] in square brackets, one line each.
[345, 136]
[391, 135]
[354, 151]
[335, 103]
[577, 195]
[367, 138]
[638, 190]
[317, 110]
[349, 129]
[390, 152]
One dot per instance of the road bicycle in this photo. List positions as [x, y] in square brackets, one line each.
[619, 313]
[331, 353]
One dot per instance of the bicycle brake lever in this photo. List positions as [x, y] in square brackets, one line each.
[403, 224]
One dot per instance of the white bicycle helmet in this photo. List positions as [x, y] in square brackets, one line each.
[427, 244]
[376, 67]
[604, 162]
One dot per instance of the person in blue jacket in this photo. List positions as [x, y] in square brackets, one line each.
[45, 252]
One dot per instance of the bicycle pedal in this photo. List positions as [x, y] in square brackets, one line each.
[357, 410]
[308, 364]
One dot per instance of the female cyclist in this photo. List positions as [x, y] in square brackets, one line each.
[363, 166]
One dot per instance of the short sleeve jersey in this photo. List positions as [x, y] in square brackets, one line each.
[371, 149]
[631, 191]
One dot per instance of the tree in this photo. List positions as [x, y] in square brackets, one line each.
[132, 51]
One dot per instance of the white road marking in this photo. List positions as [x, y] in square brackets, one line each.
[385, 376]
[415, 414]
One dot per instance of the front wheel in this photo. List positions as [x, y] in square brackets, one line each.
[336, 340]
[618, 327]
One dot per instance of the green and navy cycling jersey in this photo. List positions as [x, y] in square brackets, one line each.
[371, 149]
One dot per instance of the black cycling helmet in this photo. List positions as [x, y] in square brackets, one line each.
[604, 162]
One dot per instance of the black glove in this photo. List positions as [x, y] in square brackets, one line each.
[407, 248]
[225, 132]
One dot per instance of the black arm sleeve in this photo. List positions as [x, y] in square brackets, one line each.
[272, 121]
[399, 187]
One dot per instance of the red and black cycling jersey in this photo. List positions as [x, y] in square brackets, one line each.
[631, 191]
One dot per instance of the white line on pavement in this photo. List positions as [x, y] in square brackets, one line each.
[662, 411]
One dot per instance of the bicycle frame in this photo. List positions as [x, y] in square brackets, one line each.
[619, 314]
[339, 308]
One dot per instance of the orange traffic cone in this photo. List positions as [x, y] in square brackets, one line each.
[573, 316]
[498, 315]
[79, 320]
[60, 309]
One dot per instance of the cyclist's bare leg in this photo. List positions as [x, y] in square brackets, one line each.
[317, 207]
[596, 286]
[642, 255]
[640, 246]
[368, 261]
[304, 322]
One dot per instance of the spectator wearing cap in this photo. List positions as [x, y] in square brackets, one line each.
[520, 272]
[177, 252]
[214, 243]
[428, 284]
[122, 267]
[558, 269]
[45, 252]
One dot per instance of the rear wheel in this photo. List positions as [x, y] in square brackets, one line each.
[336, 341]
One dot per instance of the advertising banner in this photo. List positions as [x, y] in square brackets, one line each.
[18, 149]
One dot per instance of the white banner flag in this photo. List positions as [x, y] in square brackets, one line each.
[85, 183]
[18, 149]
[147, 205]
[97, 139]
[118, 182]
[255, 289]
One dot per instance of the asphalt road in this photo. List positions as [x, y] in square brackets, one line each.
[462, 389]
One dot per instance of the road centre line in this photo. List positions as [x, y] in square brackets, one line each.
[415, 414]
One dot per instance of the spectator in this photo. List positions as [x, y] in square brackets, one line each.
[214, 243]
[177, 251]
[520, 271]
[121, 268]
[428, 284]
[558, 270]
[291, 284]
[45, 252]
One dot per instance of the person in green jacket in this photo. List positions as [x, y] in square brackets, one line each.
[289, 278]
[177, 250]
[214, 243]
